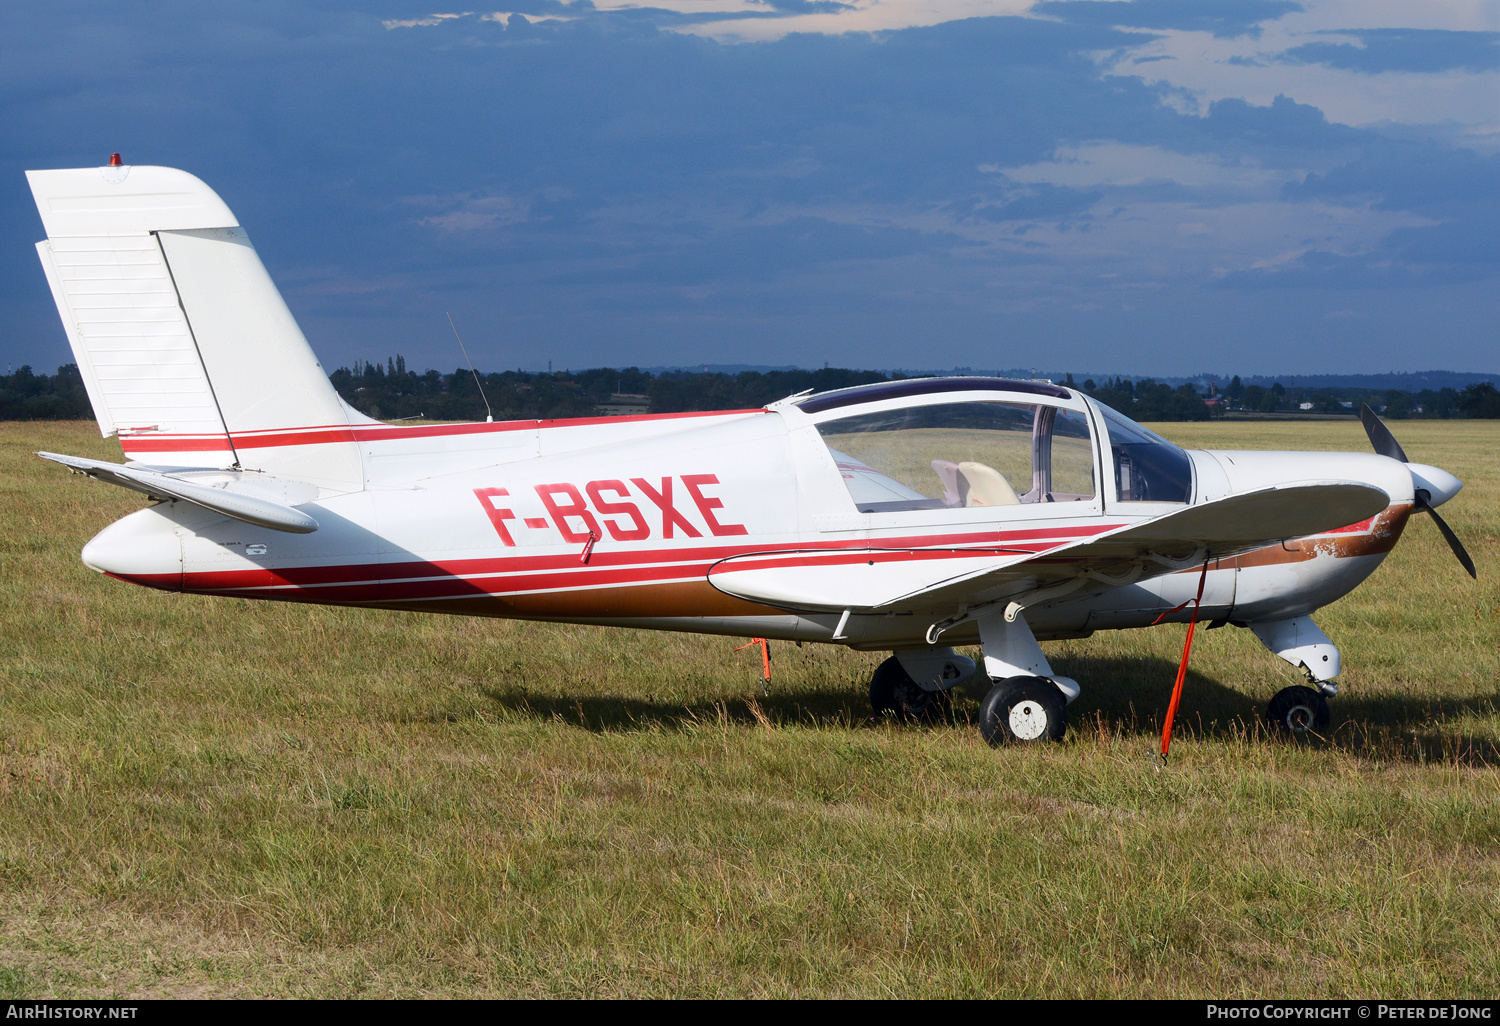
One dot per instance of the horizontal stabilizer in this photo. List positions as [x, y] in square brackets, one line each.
[249, 508]
[889, 581]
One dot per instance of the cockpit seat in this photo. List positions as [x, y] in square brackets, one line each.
[947, 472]
[979, 485]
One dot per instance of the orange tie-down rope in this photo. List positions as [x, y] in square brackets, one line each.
[765, 660]
[1187, 647]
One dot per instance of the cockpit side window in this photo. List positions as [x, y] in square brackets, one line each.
[1148, 468]
[956, 455]
[1064, 457]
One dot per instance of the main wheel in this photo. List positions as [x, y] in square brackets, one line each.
[1023, 710]
[1299, 710]
[892, 690]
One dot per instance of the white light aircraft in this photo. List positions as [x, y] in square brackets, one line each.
[908, 516]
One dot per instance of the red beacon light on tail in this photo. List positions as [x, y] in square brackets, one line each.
[115, 160]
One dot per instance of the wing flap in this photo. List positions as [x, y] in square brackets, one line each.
[816, 579]
[249, 508]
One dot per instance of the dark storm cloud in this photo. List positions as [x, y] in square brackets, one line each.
[1403, 49]
[1224, 18]
[603, 188]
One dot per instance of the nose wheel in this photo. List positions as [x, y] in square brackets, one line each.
[1299, 710]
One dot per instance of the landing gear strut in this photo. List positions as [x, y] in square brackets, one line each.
[1299, 710]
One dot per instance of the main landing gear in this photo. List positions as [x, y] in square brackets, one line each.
[1026, 703]
[1022, 709]
[916, 685]
[893, 691]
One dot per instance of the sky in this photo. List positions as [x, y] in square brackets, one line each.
[1111, 186]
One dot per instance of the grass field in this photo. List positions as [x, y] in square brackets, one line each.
[209, 798]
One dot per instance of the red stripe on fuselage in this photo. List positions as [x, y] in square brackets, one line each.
[327, 434]
[562, 570]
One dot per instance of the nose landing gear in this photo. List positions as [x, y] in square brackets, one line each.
[1299, 710]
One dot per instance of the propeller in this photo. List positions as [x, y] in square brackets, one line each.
[1380, 436]
[1385, 444]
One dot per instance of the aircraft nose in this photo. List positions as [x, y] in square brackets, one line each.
[1440, 484]
[143, 548]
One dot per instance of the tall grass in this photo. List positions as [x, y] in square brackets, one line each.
[212, 797]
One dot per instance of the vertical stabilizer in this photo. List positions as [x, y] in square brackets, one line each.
[186, 348]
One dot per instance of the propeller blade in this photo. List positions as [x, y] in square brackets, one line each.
[1381, 438]
[1385, 444]
[1453, 542]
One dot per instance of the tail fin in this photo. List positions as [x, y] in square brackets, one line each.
[186, 348]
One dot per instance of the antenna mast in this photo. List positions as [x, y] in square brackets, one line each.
[489, 416]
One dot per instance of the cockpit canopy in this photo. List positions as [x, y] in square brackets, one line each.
[962, 454]
[920, 449]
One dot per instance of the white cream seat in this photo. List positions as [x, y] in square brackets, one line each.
[980, 485]
[947, 472]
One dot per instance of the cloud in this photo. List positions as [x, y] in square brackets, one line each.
[807, 6]
[1425, 51]
[1410, 259]
[602, 187]
[1451, 189]
[1039, 202]
[795, 246]
[431, 19]
[1283, 124]
[1222, 18]
[1425, 178]
[472, 214]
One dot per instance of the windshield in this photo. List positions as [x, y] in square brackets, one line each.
[959, 455]
[1148, 468]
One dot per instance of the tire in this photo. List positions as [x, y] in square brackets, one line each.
[1299, 710]
[893, 691]
[1023, 710]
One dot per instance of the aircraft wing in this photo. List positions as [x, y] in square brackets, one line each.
[250, 508]
[888, 580]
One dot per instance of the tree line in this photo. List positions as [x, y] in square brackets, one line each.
[1151, 400]
[392, 392]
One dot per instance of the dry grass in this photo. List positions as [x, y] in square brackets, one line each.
[209, 797]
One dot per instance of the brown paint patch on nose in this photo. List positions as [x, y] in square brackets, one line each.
[1384, 531]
